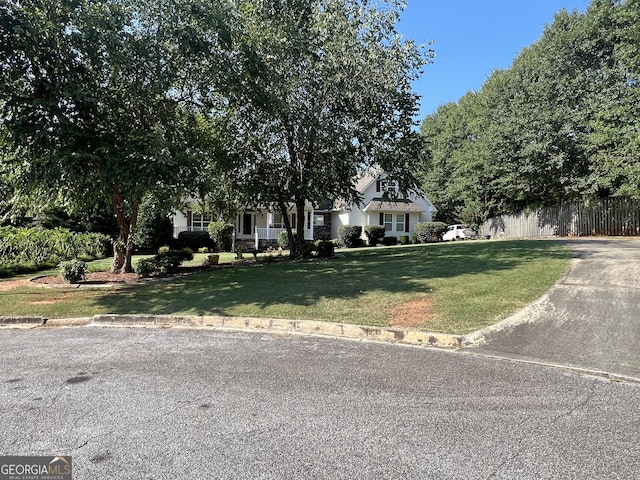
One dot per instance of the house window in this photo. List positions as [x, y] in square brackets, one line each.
[277, 221]
[200, 221]
[394, 222]
[388, 222]
[387, 185]
[318, 220]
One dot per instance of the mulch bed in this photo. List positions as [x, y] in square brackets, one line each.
[108, 278]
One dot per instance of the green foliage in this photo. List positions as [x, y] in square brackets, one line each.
[429, 231]
[404, 239]
[32, 248]
[350, 235]
[96, 97]
[307, 250]
[307, 75]
[325, 248]
[146, 267]
[283, 239]
[154, 227]
[222, 234]
[562, 122]
[72, 271]
[374, 233]
[195, 240]
[389, 241]
[165, 263]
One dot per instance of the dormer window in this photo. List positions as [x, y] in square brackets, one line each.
[387, 185]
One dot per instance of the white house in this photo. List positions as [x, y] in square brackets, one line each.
[398, 216]
[262, 227]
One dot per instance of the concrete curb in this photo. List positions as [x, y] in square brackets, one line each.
[22, 321]
[272, 325]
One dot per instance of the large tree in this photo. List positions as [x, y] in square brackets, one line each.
[319, 91]
[99, 98]
[560, 123]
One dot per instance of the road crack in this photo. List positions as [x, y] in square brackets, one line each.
[523, 445]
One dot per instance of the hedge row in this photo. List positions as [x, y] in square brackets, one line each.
[29, 249]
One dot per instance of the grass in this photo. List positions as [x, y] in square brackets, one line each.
[467, 285]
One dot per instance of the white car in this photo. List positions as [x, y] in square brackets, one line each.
[458, 232]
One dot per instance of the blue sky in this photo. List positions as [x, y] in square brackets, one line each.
[471, 39]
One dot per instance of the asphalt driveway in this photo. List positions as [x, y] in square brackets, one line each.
[589, 320]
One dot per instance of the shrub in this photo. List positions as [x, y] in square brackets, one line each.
[154, 226]
[388, 241]
[29, 249]
[283, 239]
[163, 249]
[404, 239]
[307, 250]
[222, 235]
[145, 267]
[325, 248]
[374, 233]
[350, 235]
[169, 262]
[429, 231]
[195, 240]
[164, 263]
[72, 271]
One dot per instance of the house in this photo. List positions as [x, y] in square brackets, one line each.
[398, 216]
[262, 227]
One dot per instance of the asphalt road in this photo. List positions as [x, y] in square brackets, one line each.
[189, 404]
[590, 319]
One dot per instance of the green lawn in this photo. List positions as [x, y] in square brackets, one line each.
[455, 288]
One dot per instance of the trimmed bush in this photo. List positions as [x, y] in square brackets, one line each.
[404, 239]
[307, 250]
[350, 235]
[388, 241]
[222, 235]
[195, 240]
[145, 267]
[374, 233]
[72, 271]
[283, 239]
[154, 227]
[429, 231]
[325, 248]
[165, 263]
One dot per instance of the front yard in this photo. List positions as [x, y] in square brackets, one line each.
[450, 288]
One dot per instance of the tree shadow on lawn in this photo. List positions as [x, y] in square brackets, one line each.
[399, 270]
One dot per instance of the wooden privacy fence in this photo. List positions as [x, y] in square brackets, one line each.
[602, 216]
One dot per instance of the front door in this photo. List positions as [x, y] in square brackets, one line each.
[248, 221]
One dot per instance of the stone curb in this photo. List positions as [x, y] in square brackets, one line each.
[361, 332]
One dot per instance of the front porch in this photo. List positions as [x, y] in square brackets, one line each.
[254, 229]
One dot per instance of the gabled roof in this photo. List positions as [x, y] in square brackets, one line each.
[367, 179]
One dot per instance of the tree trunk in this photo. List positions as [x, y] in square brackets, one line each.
[300, 221]
[123, 246]
[287, 225]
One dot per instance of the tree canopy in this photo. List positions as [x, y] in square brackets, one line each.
[320, 90]
[97, 97]
[560, 123]
[273, 101]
